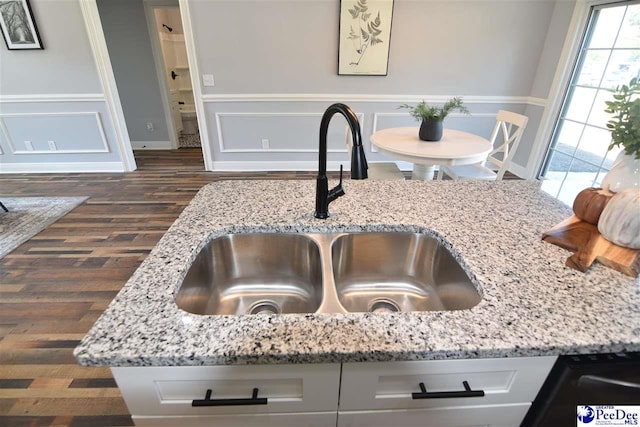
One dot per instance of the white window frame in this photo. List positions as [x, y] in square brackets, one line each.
[562, 78]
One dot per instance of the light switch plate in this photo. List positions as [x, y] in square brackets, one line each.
[207, 80]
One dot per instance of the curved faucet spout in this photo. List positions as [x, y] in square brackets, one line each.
[358, 160]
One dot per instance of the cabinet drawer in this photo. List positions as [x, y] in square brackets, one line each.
[473, 416]
[171, 390]
[390, 385]
[318, 419]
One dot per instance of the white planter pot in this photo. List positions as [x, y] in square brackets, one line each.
[624, 174]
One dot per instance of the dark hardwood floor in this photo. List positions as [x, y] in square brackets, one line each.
[54, 286]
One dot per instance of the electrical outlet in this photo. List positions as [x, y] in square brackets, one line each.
[207, 80]
[150, 127]
[265, 144]
[29, 145]
[52, 146]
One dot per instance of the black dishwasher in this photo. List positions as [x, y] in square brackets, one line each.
[593, 379]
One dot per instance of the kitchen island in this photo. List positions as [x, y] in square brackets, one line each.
[532, 305]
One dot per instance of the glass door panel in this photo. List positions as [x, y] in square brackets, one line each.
[610, 56]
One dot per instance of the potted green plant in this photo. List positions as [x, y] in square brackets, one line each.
[625, 133]
[432, 116]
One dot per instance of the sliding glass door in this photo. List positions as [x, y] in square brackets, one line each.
[610, 56]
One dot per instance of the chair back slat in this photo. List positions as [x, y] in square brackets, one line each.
[512, 126]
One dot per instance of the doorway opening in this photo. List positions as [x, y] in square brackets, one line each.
[167, 24]
[609, 56]
[147, 51]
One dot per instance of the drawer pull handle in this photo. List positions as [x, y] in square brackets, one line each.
[208, 401]
[446, 394]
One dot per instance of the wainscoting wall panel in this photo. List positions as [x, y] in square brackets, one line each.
[71, 133]
[246, 132]
[290, 122]
[79, 126]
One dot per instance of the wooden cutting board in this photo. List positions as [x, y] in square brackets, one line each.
[588, 246]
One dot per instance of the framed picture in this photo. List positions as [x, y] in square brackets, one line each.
[365, 35]
[18, 26]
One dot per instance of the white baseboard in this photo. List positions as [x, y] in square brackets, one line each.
[151, 145]
[236, 166]
[69, 167]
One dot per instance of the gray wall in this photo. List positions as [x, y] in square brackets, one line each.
[548, 61]
[125, 30]
[489, 48]
[291, 46]
[65, 65]
[55, 95]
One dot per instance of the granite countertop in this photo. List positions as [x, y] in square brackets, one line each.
[532, 304]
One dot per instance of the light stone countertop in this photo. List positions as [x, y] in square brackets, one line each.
[532, 304]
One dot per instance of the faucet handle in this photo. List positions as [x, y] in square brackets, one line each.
[336, 191]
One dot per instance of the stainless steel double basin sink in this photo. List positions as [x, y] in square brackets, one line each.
[280, 273]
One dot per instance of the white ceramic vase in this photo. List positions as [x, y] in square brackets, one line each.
[624, 174]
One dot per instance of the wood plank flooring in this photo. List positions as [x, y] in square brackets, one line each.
[54, 286]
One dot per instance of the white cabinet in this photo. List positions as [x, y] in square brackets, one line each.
[171, 391]
[443, 393]
[468, 416]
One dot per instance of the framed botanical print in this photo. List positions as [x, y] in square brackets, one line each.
[365, 35]
[18, 26]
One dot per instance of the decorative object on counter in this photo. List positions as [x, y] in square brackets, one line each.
[432, 117]
[18, 26]
[589, 204]
[364, 39]
[624, 174]
[620, 219]
[588, 246]
[625, 133]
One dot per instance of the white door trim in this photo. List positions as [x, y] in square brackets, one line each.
[564, 71]
[194, 72]
[107, 80]
[156, 49]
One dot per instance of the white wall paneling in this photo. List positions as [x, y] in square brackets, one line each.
[291, 122]
[72, 129]
[321, 97]
[60, 97]
[79, 125]
[268, 125]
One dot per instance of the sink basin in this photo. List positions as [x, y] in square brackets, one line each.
[279, 273]
[398, 272]
[269, 273]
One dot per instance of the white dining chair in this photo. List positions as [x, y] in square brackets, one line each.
[512, 126]
[379, 171]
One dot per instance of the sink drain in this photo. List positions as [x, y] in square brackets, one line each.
[264, 307]
[383, 306]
